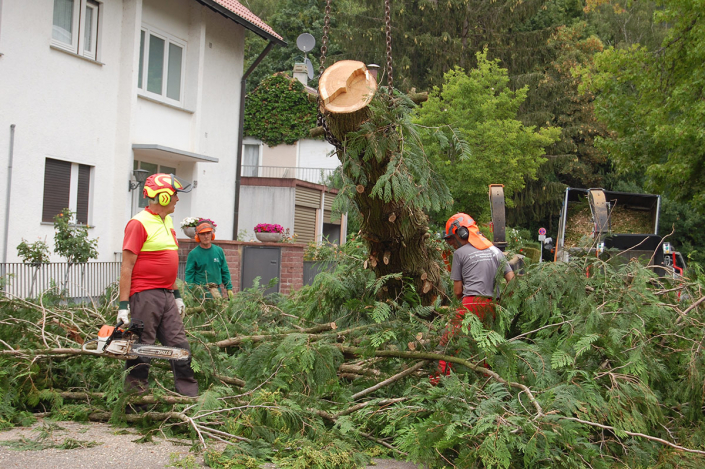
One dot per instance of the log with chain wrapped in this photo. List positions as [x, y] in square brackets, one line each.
[387, 177]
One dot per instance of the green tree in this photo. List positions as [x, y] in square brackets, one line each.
[652, 101]
[483, 110]
[554, 99]
[71, 240]
[72, 243]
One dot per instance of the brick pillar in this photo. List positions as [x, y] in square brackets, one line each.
[291, 275]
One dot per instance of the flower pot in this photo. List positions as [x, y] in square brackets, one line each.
[269, 237]
[189, 231]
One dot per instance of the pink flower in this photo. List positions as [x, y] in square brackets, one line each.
[269, 228]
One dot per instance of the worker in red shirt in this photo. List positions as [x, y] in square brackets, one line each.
[148, 290]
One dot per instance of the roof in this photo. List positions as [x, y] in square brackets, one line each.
[234, 10]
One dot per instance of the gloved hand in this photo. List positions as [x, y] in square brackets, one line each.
[230, 295]
[180, 306]
[124, 314]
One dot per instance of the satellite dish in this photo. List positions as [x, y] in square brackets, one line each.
[305, 42]
[309, 68]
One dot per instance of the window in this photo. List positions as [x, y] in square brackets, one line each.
[250, 160]
[161, 68]
[75, 26]
[66, 185]
[153, 169]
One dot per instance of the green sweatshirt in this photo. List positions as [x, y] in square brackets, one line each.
[205, 266]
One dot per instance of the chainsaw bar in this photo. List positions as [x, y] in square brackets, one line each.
[124, 343]
[130, 350]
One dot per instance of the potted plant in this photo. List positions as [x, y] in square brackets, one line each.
[188, 226]
[269, 233]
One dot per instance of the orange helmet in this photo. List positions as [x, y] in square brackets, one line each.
[458, 225]
[162, 183]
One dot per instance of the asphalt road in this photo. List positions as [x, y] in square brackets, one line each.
[99, 445]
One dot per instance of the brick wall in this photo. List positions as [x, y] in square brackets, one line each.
[291, 268]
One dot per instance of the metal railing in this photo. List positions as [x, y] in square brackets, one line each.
[315, 175]
[80, 280]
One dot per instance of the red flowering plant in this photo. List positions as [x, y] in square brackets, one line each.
[269, 228]
[206, 220]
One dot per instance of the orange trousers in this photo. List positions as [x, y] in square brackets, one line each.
[480, 306]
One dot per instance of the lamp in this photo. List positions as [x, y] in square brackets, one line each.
[140, 177]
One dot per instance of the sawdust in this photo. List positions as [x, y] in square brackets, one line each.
[579, 228]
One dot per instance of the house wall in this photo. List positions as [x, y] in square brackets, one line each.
[89, 112]
[64, 107]
[281, 155]
[316, 154]
[265, 204]
[291, 269]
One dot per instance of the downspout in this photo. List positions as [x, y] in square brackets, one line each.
[7, 197]
[238, 162]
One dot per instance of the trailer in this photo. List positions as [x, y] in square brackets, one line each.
[595, 220]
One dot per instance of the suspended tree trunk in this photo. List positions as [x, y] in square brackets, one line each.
[395, 230]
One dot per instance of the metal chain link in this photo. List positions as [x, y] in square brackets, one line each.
[388, 24]
[324, 41]
[320, 119]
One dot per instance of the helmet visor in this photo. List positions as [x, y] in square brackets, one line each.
[179, 186]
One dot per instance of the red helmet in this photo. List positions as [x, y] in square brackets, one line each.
[458, 225]
[161, 182]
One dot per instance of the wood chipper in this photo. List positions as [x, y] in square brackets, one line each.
[593, 220]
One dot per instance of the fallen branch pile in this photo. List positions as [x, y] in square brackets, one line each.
[573, 371]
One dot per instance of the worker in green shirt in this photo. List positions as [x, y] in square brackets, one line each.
[206, 262]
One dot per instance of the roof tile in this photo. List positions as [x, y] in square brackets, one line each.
[237, 8]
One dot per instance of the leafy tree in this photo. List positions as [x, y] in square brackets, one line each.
[554, 98]
[71, 240]
[33, 253]
[652, 102]
[290, 19]
[483, 110]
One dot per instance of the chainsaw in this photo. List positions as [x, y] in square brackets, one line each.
[123, 342]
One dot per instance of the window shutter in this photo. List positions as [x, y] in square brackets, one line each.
[305, 224]
[84, 183]
[57, 184]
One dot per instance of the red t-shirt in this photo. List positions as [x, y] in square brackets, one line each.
[153, 269]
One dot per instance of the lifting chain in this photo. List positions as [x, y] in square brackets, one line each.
[388, 30]
[320, 119]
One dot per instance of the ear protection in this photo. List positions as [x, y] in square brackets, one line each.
[164, 198]
[461, 231]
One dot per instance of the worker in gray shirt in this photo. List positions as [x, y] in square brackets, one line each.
[474, 270]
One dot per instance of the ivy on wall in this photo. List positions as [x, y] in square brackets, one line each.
[279, 110]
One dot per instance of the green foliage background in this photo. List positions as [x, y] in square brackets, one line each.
[279, 111]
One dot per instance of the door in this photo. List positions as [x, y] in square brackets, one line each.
[262, 262]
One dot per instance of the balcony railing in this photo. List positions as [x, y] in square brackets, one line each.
[315, 175]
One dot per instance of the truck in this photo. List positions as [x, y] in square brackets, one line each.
[595, 220]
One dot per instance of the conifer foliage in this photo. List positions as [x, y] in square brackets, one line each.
[590, 363]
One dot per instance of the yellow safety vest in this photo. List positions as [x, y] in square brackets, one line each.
[160, 234]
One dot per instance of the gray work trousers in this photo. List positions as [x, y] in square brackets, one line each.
[158, 311]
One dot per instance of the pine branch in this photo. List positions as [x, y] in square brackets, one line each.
[648, 437]
[450, 359]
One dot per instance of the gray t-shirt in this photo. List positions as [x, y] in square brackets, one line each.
[477, 269]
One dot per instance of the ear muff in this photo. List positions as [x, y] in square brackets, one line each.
[461, 231]
[197, 239]
[164, 198]
[213, 236]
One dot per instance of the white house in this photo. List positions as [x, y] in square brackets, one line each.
[303, 203]
[92, 90]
